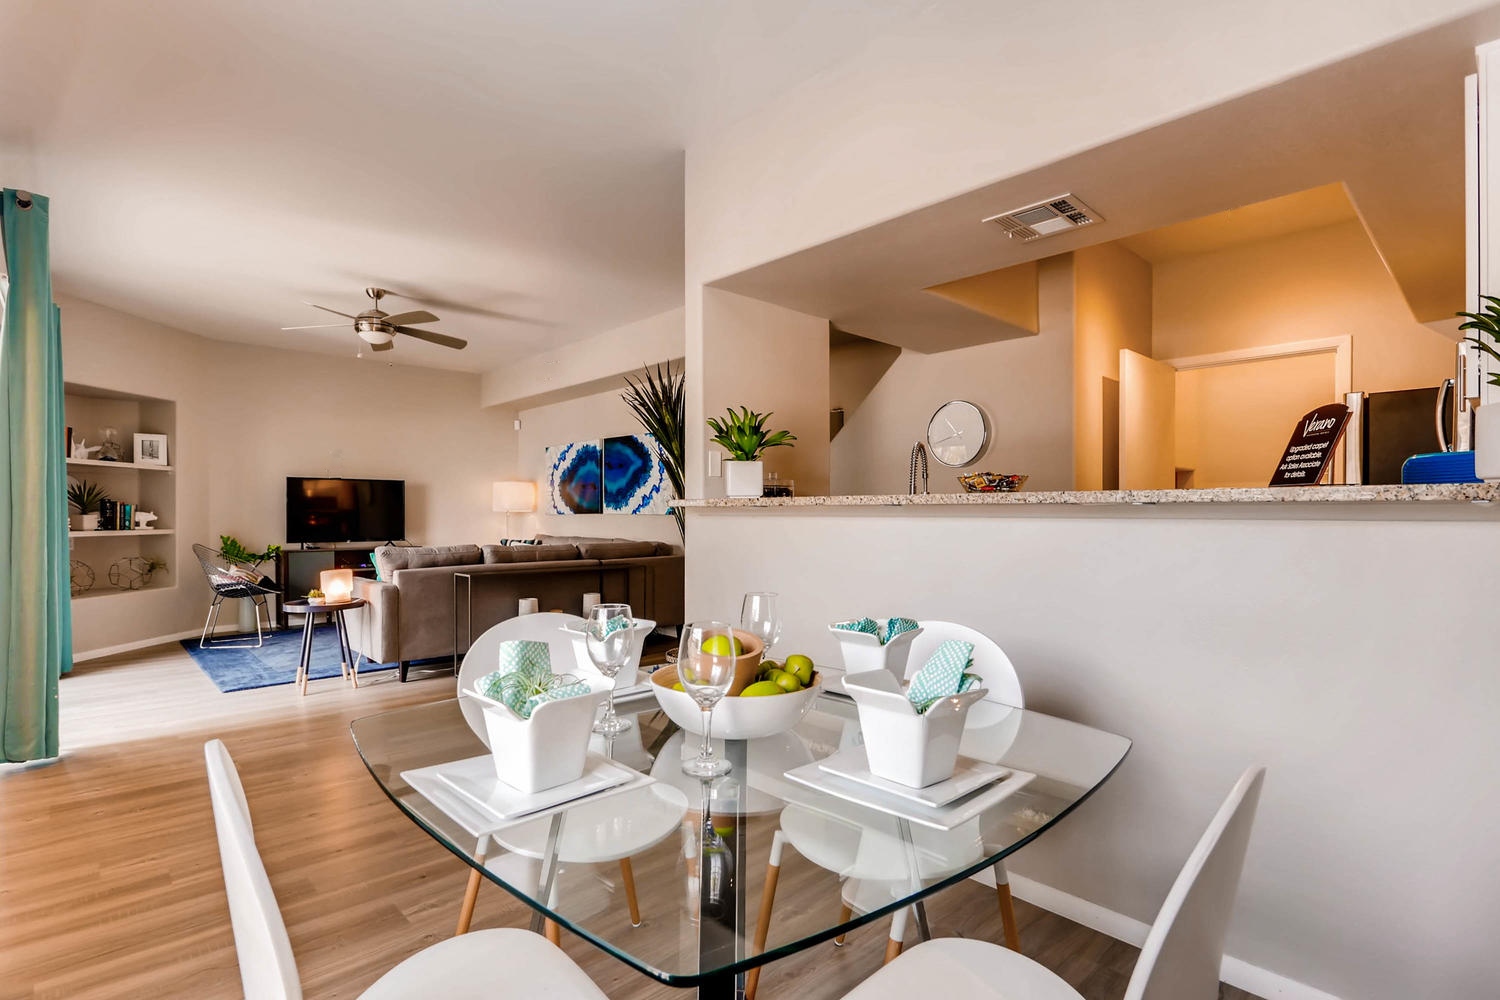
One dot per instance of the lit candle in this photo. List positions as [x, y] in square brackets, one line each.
[337, 585]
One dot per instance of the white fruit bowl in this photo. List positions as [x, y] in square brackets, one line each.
[735, 718]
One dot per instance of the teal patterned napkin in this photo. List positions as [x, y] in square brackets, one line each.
[865, 625]
[525, 678]
[613, 625]
[945, 674]
[884, 631]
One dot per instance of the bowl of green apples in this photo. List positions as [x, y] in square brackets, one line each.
[782, 692]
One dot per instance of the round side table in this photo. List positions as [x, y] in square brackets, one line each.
[335, 612]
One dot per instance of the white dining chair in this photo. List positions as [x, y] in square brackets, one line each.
[807, 832]
[1179, 961]
[559, 631]
[466, 968]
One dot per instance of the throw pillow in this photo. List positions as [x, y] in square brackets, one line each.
[520, 541]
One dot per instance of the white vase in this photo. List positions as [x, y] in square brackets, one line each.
[863, 651]
[546, 750]
[911, 749]
[1487, 442]
[90, 522]
[744, 479]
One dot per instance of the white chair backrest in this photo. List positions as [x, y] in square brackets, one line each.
[990, 661]
[1185, 947]
[268, 970]
[483, 656]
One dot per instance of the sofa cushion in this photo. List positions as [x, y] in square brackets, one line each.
[528, 553]
[390, 558]
[614, 548]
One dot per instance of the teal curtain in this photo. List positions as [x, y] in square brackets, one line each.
[36, 620]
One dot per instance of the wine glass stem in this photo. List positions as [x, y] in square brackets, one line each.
[609, 708]
[706, 750]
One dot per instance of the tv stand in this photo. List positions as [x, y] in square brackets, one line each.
[298, 570]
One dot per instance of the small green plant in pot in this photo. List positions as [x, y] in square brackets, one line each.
[84, 498]
[1486, 323]
[234, 551]
[743, 434]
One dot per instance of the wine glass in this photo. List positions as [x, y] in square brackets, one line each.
[759, 616]
[608, 635]
[705, 664]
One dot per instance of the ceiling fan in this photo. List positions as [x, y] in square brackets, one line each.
[378, 328]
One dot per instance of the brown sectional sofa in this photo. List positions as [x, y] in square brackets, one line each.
[410, 612]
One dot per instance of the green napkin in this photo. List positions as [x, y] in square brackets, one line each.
[525, 678]
[943, 675]
[865, 625]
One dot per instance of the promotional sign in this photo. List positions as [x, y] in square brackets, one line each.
[1311, 449]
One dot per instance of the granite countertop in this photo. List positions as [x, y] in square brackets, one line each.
[1429, 493]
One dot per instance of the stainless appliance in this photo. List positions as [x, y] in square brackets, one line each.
[1387, 428]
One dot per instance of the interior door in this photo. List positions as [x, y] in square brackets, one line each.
[1148, 416]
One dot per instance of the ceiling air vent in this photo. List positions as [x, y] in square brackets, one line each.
[1046, 218]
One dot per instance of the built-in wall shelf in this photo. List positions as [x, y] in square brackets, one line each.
[100, 463]
[116, 534]
[103, 588]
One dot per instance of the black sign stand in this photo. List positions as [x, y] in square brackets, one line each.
[1311, 448]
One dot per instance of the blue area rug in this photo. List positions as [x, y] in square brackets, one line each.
[275, 662]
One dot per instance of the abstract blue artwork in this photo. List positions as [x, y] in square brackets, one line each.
[575, 478]
[635, 481]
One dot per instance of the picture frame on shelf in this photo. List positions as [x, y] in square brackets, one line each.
[151, 449]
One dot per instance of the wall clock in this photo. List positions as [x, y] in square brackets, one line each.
[956, 434]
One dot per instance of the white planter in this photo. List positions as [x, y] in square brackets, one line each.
[89, 522]
[905, 747]
[546, 750]
[863, 651]
[1487, 442]
[744, 479]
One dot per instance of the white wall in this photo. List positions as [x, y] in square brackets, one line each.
[586, 418]
[1024, 386]
[1322, 648]
[248, 417]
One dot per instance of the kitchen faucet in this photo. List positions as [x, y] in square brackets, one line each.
[918, 460]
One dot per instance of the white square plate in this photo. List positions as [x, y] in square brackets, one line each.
[474, 779]
[948, 817]
[969, 775]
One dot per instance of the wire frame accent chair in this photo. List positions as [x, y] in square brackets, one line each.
[233, 579]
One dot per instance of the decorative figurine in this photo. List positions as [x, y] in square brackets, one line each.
[143, 518]
[81, 450]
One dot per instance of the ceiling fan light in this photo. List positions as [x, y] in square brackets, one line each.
[373, 336]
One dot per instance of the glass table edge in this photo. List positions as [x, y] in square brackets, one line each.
[689, 979]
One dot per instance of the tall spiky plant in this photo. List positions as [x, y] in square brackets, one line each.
[658, 398]
[1488, 325]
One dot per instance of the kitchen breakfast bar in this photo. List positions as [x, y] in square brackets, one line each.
[1341, 635]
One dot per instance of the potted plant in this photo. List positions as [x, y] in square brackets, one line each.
[85, 497]
[659, 401]
[1486, 418]
[235, 552]
[743, 434]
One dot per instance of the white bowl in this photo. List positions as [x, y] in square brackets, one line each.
[735, 718]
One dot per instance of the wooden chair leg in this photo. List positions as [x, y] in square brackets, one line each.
[845, 912]
[553, 931]
[471, 896]
[763, 922]
[892, 949]
[1008, 917]
[627, 875]
[894, 943]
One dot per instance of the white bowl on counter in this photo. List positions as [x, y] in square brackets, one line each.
[735, 718]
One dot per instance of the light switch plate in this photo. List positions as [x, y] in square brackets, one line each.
[714, 471]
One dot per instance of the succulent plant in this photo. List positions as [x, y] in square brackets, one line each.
[85, 497]
[743, 434]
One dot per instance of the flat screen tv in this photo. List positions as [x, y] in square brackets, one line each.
[345, 510]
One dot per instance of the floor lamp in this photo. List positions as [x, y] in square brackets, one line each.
[513, 497]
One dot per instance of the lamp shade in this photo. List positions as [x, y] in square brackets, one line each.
[515, 497]
[337, 585]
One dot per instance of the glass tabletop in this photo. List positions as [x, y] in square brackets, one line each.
[698, 852]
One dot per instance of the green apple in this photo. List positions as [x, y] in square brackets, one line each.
[801, 667]
[787, 682]
[722, 645]
[761, 688]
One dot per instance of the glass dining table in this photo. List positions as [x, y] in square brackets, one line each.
[671, 874]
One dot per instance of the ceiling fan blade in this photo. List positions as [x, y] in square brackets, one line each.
[433, 337]
[408, 318]
[382, 347]
[316, 326]
[328, 310]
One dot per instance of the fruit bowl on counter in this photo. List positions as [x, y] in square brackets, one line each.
[992, 482]
[745, 716]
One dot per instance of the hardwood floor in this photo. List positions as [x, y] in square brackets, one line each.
[110, 884]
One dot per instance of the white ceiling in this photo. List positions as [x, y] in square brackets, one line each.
[515, 166]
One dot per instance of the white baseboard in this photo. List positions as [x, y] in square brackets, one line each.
[1236, 972]
[130, 647]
